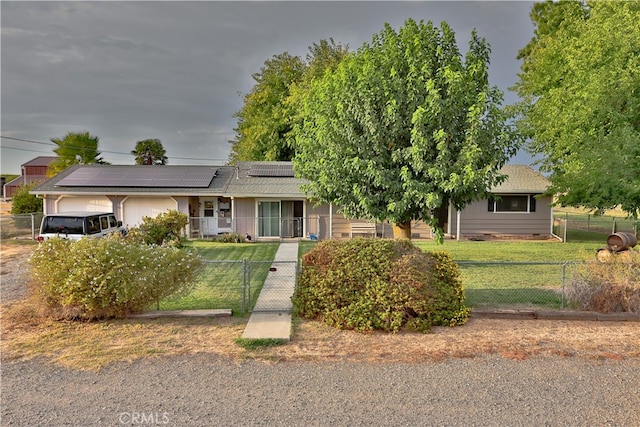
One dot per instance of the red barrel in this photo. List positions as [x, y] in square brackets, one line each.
[621, 241]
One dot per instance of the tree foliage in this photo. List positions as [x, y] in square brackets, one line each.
[270, 110]
[150, 152]
[23, 202]
[580, 85]
[75, 148]
[404, 126]
[264, 120]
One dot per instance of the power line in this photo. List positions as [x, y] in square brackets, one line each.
[25, 149]
[85, 148]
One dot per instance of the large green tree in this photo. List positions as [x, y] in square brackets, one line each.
[271, 110]
[150, 152]
[264, 120]
[75, 148]
[403, 127]
[580, 86]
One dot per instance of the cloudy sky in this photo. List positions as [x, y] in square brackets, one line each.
[176, 71]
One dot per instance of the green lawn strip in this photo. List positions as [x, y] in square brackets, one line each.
[498, 274]
[259, 343]
[220, 284]
[305, 246]
[512, 284]
[514, 250]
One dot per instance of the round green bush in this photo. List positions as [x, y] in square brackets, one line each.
[109, 277]
[165, 229]
[379, 284]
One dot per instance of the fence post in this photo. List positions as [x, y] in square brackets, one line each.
[33, 226]
[249, 307]
[564, 276]
[566, 225]
[244, 285]
[613, 230]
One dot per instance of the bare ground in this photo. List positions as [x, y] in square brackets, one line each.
[97, 344]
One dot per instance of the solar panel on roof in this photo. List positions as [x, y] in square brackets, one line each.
[279, 170]
[138, 176]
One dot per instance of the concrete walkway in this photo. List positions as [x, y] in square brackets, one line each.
[271, 316]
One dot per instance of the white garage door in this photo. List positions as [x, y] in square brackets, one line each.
[84, 203]
[137, 207]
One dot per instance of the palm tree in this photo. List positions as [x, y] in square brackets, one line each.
[150, 152]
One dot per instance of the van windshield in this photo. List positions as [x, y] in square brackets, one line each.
[63, 225]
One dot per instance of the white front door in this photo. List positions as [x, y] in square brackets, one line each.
[209, 217]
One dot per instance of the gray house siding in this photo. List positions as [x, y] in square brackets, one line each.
[477, 221]
[245, 216]
[240, 188]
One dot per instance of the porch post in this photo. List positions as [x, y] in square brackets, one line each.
[458, 225]
[233, 214]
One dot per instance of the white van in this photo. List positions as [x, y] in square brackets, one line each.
[76, 225]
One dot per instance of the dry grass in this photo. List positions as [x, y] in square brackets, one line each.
[26, 334]
[91, 346]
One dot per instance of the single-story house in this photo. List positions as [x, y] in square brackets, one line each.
[264, 200]
[33, 171]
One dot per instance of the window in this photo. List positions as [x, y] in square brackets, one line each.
[63, 225]
[513, 203]
[209, 208]
[93, 225]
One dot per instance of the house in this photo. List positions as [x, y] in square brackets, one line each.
[517, 210]
[33, 171]
[264, 200]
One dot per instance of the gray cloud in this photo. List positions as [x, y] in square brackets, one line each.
[127, 71]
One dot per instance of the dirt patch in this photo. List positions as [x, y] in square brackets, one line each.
[14, 270]
[5, 208]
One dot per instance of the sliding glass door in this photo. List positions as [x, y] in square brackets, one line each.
[269, 219]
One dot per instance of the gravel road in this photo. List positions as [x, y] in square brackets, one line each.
[208, 390]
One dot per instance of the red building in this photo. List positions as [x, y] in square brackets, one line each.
[33, 171]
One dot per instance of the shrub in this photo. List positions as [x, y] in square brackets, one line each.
[24, 203]
[110, 277]
[376, 284]
[166, 229]
[231, 238]
[607, 287]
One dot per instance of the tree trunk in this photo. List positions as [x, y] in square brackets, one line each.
[402, 231]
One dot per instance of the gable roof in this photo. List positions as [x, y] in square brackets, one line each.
[26, 179]
[40, 161]
[265, 179]
[247, 179]
[521, 179]
[167, 181]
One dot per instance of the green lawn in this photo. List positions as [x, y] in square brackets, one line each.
[503, 274]
[221, 282]
[514, 250]
[493, 273]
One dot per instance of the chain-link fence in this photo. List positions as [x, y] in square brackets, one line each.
[597, 227]
[243, 286]
[248, 286]
[21, 226]
[516, 285]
